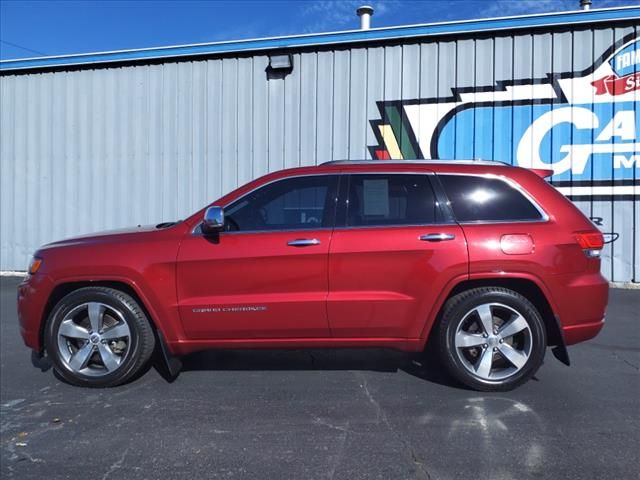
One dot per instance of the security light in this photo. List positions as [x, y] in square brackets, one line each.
[280, 62]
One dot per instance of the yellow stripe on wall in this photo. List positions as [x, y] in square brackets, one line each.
[390, 142]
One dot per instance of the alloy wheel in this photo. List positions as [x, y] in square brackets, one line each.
[93, 339]
[493, 341]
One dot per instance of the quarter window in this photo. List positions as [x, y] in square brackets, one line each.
[391, 199]
[475, 198]
[299, 203]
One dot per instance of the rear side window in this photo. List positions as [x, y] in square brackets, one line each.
[391, 199]
[475, 198]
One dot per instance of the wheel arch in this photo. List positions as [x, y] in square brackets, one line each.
[63, 289]
[529, 289]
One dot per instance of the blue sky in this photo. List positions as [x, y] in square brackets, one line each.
[31, 28]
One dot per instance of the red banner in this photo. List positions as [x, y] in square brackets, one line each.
[617, 86]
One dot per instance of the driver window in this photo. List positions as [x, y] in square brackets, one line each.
[290, 204]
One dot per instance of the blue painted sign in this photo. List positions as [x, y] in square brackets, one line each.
[585, 126]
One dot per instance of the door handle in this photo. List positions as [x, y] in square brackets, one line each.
[437, 237]
[303, 242]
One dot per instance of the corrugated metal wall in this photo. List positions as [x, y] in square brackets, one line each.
[97, 149]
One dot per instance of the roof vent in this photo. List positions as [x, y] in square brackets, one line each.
[585, 4]
[365, 12]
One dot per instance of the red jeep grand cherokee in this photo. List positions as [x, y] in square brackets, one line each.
[488, 260]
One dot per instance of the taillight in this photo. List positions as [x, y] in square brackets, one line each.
[591, 243]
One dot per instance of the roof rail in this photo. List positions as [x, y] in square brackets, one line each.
[494, 163]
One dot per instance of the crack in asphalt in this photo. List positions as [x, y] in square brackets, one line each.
[115, 465]
[319, 421]
[23, 413]
[421, 469]
[624, 360]
[341, 452]
[343, 442]
[17, 457]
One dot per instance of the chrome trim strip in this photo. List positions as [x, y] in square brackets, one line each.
[413, 225]
[245, 232]
[494, 163]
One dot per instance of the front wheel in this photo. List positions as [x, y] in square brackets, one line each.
[491, 338]
[98, 337]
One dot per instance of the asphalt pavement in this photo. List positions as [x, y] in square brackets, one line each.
[365, 414]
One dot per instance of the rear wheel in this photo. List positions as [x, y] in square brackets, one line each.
[491, 338]
[98, 337]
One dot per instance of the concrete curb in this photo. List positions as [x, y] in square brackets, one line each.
[12, 273]
[625, 286]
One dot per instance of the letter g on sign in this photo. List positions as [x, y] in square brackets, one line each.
[528, 153]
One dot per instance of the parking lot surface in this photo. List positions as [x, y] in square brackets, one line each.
[366, 414]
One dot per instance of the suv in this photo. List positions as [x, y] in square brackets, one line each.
[486, 260]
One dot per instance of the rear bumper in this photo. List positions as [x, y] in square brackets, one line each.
[580, 333]
[581, 304]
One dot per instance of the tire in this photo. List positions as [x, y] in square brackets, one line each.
[499, 360]
[98, 337]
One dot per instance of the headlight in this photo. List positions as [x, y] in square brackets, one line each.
[35, 264]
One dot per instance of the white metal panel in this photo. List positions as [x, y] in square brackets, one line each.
[245, 122]
[308, 107]
[324, 117]
[358, 120]
[292, 126]
[375, 87]
[340, 136]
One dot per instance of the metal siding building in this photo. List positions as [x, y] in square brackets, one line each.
[101, 141]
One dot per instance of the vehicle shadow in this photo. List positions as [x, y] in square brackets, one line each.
[424, 366]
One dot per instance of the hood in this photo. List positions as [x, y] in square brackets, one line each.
[109, 236]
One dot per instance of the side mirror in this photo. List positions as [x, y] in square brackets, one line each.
[213, 221]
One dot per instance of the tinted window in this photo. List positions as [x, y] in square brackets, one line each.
[487, 199]
[290, 204]
[391, 199]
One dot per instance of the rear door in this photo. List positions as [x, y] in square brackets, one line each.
[266, 275]
[391, 255]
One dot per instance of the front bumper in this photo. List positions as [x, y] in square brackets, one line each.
[33, 294]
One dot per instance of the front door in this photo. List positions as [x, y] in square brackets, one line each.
[265, 275]
[391, 257]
